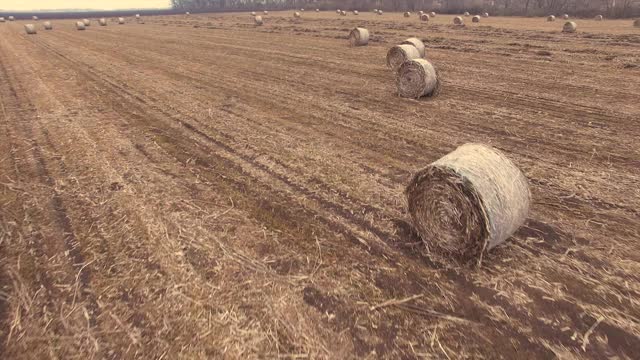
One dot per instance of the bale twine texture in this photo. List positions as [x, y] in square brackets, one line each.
[475, 19]
[569, 27]
[359, 37]
[468, 201]
[417, 78]
[417, 43]
[398, 54]
[30, 29]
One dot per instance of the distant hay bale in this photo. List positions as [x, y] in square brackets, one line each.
[187, 13]
[2, 19]
[11, 18]
[359, 37]
[253, 13]
[375, 11]
[302, 10]
[417, 43]
[317, 10]
[551, 18]
[47, 25]
[486, 15]
[424, 17]
[80, 25]
[258, 20]
[137, 16]
[35, 18]
[343, 13]
[265, 12]
[398, 54]
[86, 22]
[432, 14]
[417, 78]
[102, 22]
[338, 11]
[296, 14]
[569, 27]
[380, 12]
[30, 29]
[355, 12]
[468, 202]
[121, 21]
[466, 13]
[458, 21]
[420, 12]
[407, 14]
[565, 16]
[475, 19]
[636, 23]
[599, 18]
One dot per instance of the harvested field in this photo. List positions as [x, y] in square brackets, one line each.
[200, 187]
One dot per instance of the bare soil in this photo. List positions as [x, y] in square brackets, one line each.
[199, 187]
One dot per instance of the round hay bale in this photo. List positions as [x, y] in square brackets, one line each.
[302, 10]
[466, 13]
[317, 10]
[121, 21]
[486, 15]
[338, 12]
[551, 18]
[80, 25]
[468, 202]
[187, 13]
[569, 27]
[375, 11]
[458, 21]
[253, 13]
[343, 13]
[86, 22]
[355, 12]
[599, 17]
[432, 14]
[424, 17]
[420, 12]
[475, 19]
[417, 78]
[407, 14]
[296, 14]
[397, 55]
[137, 16]
[258, 20]
[636, 23]
[30, 29]
[417, 43]
[565, 16]
[102, 22]
[380, 12]
[2, 19]
[35, 18]
[265, 12]
[359, 37]
[47, 25]
[11, 18]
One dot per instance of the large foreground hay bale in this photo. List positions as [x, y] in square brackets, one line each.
[417, 43]
[86, 22]
[258, 20]
[102, 22]
[565, 16]
[599, 17]
[30, 29]
[569, 27]
[468, 201]
[398, 54]
[551, 18]
[121, 21]
[47, 25]
[359, 37]
[80, 25]
[475, 19]
[417, 78]
[424, 17]
[458, 21]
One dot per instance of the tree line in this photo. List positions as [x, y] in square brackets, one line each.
[577, 8]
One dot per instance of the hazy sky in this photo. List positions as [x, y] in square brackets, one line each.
[81, 4]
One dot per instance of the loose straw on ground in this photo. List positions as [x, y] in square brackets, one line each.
[398, 54]
[417, 43]
[468, 201]
[359, 37]
[417, 78]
